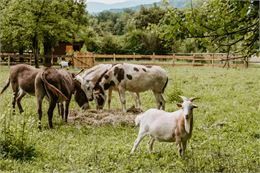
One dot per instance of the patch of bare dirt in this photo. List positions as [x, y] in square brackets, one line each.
[104, 117]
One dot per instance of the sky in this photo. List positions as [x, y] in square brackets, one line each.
[107, 1]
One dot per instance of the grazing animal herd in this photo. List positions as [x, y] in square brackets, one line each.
[59, 85]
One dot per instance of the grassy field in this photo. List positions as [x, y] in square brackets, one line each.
[225, 137]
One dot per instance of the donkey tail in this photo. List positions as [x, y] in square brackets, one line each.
[53, 89]
[6, 86]
[165, 85]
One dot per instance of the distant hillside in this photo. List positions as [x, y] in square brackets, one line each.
[174, 3]
[94, 7]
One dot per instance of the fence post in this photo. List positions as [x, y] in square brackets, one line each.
[94, 59]
[246, 63]
[114, 57]
[30, 56]
[9, 59]
[193, 59]
[212, 60]
[153, 57]
[134, 56]
[173, 58]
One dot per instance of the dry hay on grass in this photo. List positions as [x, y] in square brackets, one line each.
[103, 117]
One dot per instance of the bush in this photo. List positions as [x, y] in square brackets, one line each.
[14, 138]
[174, 93]
[16, 149]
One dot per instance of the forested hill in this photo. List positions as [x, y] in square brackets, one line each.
[95, 7]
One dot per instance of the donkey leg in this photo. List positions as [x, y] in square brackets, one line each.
[15, 93]
[52, 105]
[19, 99]
[39, 109]
[136, 97]
[67, 104]
[61, 110]
[121, 92]
[159, 100]
[14, 100]
[109, 98]
[162, 102]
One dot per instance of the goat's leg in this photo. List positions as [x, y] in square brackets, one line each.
[121, 92]
[18, 100]
[184, 144]
[52, 105]
[179, 145]
[150, 144]
[141, 135]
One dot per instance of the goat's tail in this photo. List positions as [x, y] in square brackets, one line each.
[138, 119]
[53, 89]
[6, 86]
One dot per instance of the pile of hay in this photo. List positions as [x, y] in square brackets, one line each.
[103, 117]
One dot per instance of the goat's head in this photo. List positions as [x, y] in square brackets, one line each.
[187, 106]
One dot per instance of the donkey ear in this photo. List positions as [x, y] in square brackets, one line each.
[179, 105]
[79, 78]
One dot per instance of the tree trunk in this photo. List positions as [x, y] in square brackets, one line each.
[47, 52]
[36, 51]
[21, 59]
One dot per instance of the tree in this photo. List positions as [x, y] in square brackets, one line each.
[224, 24]
[40, 23]
[148, 16]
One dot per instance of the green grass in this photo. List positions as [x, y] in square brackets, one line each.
[225, 135]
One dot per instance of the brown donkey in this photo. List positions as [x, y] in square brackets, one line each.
[22, 79]
[58, 86]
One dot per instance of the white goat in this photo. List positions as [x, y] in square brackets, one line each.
[64, 64]
[167, 126]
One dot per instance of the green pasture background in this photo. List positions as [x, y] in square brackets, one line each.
[225, 136]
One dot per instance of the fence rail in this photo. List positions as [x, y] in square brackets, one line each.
[87, 60]
[195, 59]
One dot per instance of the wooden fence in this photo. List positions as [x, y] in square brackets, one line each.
[87, 60]
[196, 59]
[28, 58]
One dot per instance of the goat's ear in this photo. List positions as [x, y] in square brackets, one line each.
[194, 106]
[183, 98]
[179, 105]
